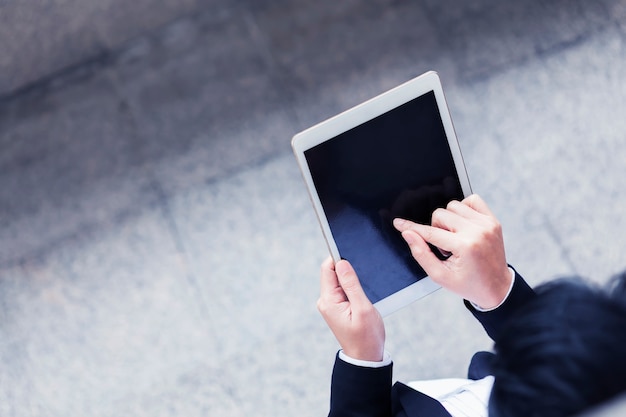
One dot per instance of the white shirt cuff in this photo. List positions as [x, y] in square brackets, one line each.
[485, 310]
[366, 364]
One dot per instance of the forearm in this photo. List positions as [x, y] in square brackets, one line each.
[360, 391]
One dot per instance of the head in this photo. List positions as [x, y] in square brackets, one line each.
[563, 352]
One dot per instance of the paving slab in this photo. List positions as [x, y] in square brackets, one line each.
[201, 110]
[68, 163]
[486, 36]
[328, 46]
[41, 39]
[101, 324]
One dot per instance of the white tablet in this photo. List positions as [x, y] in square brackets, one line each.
[395, 155]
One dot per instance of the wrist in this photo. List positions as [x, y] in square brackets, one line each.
[373, 355]
[501, 294]
[385, 360]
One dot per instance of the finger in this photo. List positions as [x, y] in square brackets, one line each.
[350, 284]
[464, 210]
[437, 236]
[449, 220]
[477, 203]
[402, 224]
[422, 254]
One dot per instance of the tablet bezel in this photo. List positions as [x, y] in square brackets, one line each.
[356, 116]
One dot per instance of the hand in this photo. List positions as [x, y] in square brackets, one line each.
[476, 268]
[355, 322]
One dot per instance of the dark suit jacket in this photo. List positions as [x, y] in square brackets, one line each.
[368, 392]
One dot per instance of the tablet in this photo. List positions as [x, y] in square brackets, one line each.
[395, 155]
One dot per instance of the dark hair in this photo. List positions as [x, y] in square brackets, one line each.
[563, 352]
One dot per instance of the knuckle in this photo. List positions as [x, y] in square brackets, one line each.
[494, 230]
[350, 287]
[428, 234]
[438, 212]
[364, 314]
[471, 198]
[348, 281]
[452, 204]
[473, 245]
[437, 216]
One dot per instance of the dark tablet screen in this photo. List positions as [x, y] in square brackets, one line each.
[398, 164]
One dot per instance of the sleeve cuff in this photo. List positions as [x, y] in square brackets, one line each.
[486, 310]
[366, 364]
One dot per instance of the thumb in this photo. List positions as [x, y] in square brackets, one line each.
[350, 283]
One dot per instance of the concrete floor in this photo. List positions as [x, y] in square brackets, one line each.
[158, 252]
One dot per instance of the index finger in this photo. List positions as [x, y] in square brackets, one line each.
[442, 238]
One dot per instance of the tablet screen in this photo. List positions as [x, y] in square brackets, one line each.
[398, 164]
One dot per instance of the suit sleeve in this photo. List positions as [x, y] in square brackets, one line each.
[360, 391]
[494, 321]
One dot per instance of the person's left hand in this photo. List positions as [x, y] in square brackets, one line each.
[355, 322]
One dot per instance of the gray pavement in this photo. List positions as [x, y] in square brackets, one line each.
[158, 252]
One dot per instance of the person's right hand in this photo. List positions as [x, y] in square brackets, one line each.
[355, 322]
[476, 268]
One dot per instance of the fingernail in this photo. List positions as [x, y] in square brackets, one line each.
[398, 223]
[342, 267]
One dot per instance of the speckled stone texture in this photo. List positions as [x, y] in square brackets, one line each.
[159, 255]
